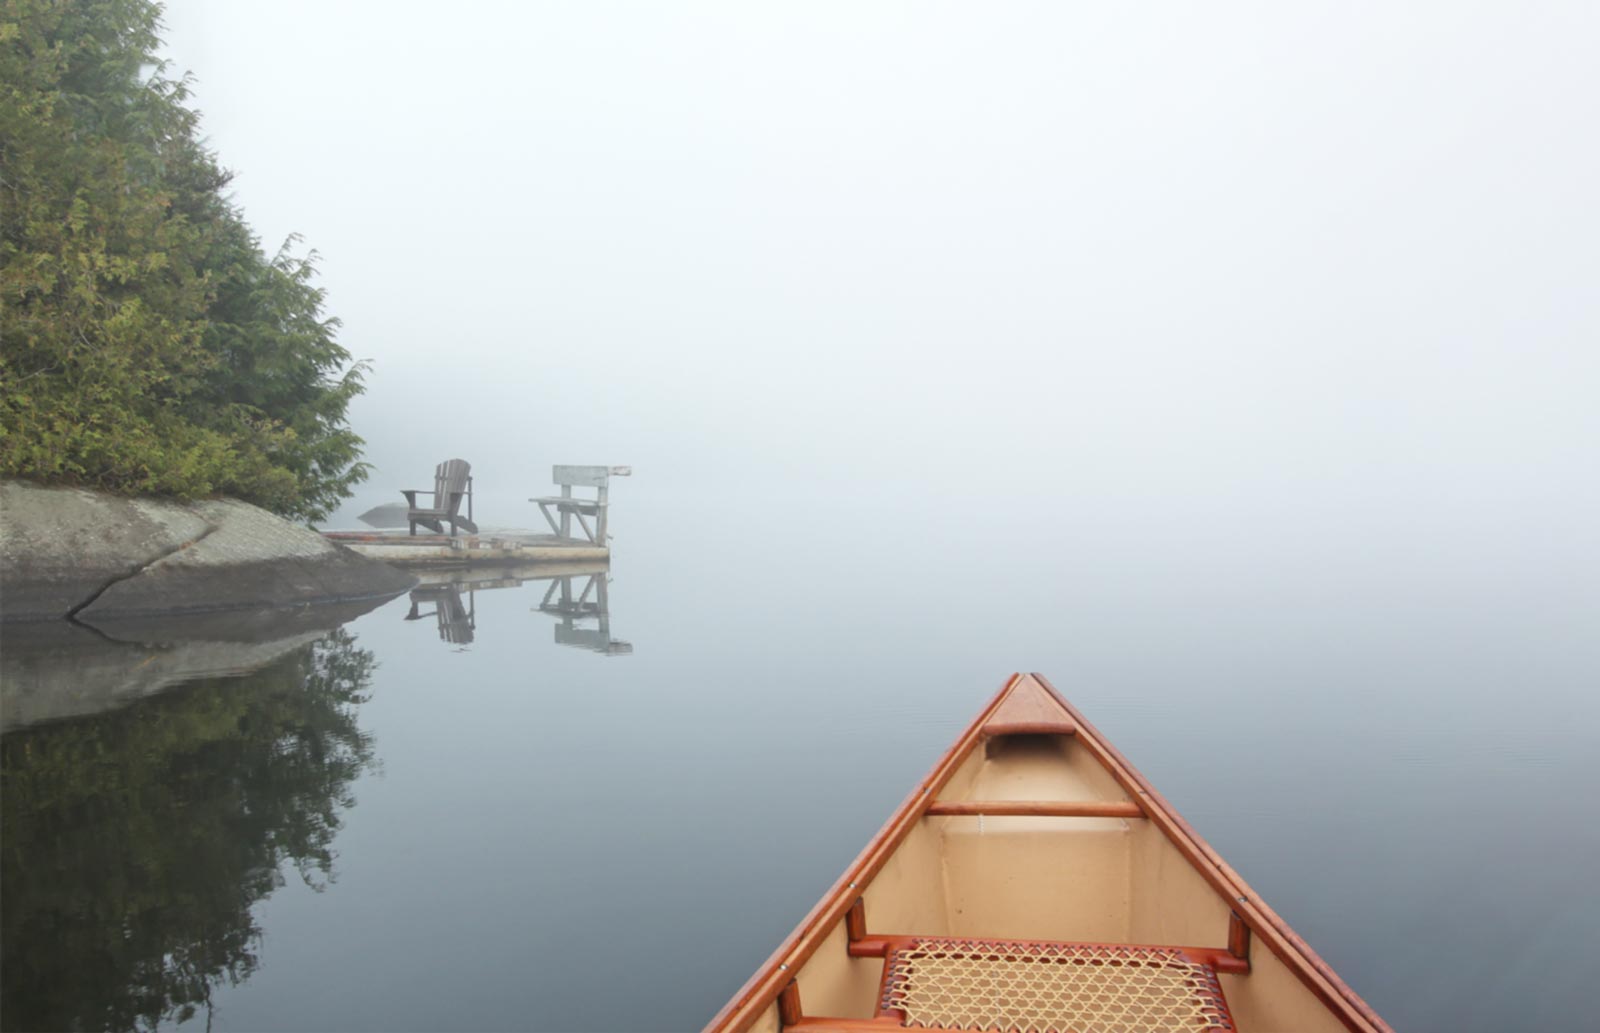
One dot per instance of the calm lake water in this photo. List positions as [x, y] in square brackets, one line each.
[394, 828]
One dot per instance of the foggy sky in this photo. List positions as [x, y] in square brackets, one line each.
[1335, 261]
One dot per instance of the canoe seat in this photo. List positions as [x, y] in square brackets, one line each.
[935, 983]
[945, 985]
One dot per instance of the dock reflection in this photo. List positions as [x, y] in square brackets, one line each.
[592, 602]
[578, 595]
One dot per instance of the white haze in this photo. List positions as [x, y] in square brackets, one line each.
[1318, 271]
[1236, 366]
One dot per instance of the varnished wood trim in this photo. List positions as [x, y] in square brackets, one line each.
[1218, 958]
[789, 1012]
[855, 921]
[1294, 952]
[1031, 728]
[763, 987]
[760, 989]
[882, 1010]
[1239, 938]
[870, 947]
[1029, 710]
[1037, 808]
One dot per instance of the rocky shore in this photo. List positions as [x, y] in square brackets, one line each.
[67, 553]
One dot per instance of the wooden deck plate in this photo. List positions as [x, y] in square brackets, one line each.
[1029, 710]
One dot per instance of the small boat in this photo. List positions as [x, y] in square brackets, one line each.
[1035, 882]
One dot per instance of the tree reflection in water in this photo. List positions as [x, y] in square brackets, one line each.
[136, 842]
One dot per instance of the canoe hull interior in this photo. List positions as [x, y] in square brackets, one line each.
[1039, 864]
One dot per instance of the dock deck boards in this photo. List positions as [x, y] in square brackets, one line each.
[486, 547]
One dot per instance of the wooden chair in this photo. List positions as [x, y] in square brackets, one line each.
[452, 480]
[567, 506]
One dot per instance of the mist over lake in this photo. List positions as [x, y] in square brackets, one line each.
[1235, 368]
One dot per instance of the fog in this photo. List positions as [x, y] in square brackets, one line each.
[1234, 366]
[1317, 271]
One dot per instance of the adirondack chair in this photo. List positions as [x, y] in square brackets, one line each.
[452, 481]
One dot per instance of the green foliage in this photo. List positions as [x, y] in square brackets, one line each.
[149, 345]
[137, 842]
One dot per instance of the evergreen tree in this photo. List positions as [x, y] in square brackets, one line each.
[148, 343]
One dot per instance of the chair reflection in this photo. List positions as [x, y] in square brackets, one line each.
[577, 594]
[591, 602]
[457, 623]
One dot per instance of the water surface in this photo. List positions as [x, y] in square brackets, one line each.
[489, 818]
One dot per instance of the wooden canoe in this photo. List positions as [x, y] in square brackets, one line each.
[1034, 881]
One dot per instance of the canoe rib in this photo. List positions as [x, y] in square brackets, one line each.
[1029, 704]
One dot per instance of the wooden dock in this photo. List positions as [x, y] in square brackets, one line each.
[495, 548]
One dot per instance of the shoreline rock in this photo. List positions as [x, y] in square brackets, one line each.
[86, 556]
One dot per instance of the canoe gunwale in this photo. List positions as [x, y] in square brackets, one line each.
[762, 989]
[1261, 920]
[768, 981]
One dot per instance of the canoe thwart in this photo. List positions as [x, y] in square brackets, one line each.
[1036, 808]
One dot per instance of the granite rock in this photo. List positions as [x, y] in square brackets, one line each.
[67, 552]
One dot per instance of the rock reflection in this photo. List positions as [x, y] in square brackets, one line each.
[56, 670]
[137, 841]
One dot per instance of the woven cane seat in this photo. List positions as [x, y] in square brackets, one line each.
[1021, 987]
